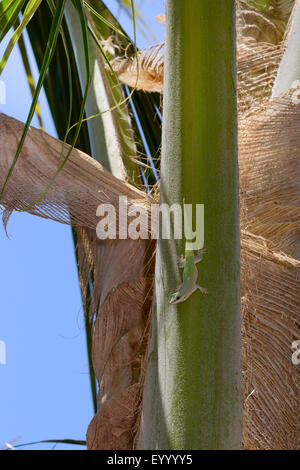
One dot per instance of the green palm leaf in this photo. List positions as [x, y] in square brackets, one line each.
[9, 11]
[29, 74]
[30, 10]
[102, 18]
[47, 59]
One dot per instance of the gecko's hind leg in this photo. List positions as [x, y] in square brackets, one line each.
[201, 289]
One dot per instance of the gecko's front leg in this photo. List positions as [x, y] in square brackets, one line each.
[201, 289]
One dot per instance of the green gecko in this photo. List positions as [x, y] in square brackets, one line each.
[189, 277]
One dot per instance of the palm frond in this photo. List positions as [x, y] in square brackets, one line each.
[116, 45]
[150, 77]
[30, 10]
[29, 75]
[265, 21]
[9, 11]
[55, 28]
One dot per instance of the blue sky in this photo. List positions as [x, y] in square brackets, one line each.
[45, 392]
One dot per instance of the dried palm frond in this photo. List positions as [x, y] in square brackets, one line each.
[259, 50]
[257, 65]
[264, 26]
[269, 163]
[148, 68]
[270, 324]
[41, 156]
[270, 172]
[251, 19]
[122, 270]
[282, 7]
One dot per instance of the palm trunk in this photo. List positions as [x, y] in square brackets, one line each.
[192, 390]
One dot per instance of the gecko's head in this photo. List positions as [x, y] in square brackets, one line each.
[175, 298]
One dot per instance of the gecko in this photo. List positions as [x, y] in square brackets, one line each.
[189, 276]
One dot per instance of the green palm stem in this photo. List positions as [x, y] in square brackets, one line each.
[192, 389]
